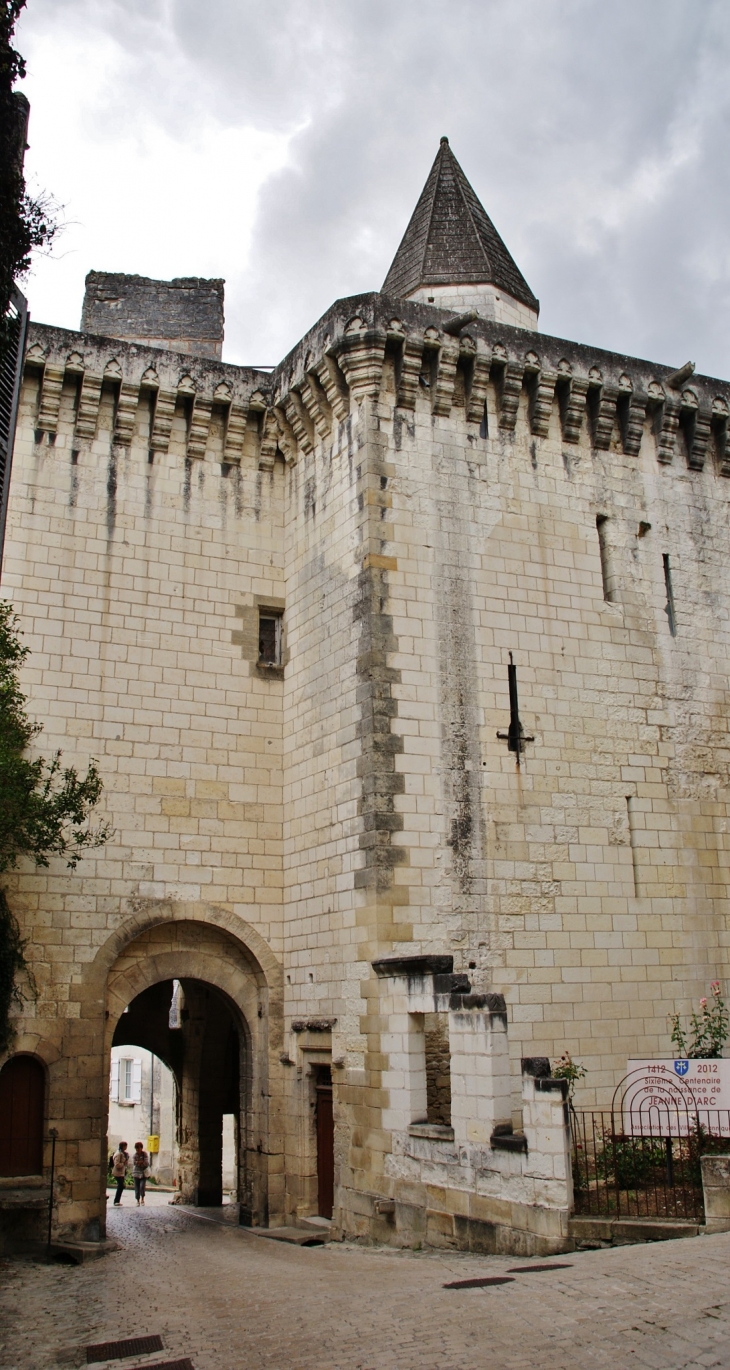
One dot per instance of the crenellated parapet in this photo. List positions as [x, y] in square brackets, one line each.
[146, 388]
[399, 353]
[406, 354]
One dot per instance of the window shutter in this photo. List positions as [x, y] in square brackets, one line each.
[114, 1084]
[136, 1094]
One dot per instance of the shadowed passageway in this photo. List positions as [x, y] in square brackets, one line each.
[197, 1033]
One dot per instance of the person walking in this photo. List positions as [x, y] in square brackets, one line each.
[140, 1171]
[120, 1166]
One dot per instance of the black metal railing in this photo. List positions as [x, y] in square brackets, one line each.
[644, 1164]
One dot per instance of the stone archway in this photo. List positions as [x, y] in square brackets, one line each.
[226, 1034]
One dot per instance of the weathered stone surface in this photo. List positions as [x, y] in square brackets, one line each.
[185, 314]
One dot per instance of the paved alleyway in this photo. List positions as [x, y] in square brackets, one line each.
[227, 1299]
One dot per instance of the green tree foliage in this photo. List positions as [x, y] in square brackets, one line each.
[26, 224]
[44, 808]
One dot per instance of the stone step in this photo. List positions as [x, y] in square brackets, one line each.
[322, 1227]
[81, 1252]
[589, 1231]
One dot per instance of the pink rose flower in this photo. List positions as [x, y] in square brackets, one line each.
[703, 1003]
[715, 987]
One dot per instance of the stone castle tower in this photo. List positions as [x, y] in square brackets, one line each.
[406, 669]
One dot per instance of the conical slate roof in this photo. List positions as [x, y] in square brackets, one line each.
[451, 240]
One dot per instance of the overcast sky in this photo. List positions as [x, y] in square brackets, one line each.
[283, 145]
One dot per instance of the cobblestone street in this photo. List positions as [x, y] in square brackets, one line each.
[226, 1299]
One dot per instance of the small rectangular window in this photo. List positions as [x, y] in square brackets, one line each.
[269, 638]
[128, 1079]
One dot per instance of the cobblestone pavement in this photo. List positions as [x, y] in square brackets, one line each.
[228, 1299]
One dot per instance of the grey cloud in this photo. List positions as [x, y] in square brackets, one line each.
[595, 134]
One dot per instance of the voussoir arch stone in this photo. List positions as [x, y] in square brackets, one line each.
[150, 913]
[125, 984]
[32, 1044]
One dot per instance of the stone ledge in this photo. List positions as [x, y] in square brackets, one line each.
[25, 1197]
[414, 965]
[433, 1132]
[624, 1231]
[313, 1024]
[508, 1141]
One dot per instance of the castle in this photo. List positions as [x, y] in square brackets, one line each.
[406, 669]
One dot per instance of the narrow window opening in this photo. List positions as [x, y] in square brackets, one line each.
[269, 638]
[602, 531]
[630, 809]
[438, 1069]
[669, 606]
[484, 425]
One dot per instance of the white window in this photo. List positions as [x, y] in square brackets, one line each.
[130, 1080]
[114, 1082]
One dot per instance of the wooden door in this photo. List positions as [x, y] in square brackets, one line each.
[325, 1152]
[22, 1090]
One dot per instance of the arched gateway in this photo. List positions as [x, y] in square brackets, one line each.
[218, 1050]
[224, 1054]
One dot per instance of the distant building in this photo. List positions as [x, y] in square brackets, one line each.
[142, 1105]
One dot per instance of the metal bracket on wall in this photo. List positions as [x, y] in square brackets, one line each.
[515, 737]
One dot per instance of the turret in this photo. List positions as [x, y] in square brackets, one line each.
[452, 256]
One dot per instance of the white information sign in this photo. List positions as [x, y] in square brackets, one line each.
[663, 1098]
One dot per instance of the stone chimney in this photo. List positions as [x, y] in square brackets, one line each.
[182, 315]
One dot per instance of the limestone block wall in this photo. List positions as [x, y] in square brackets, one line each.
[527, 493]
[140, 523]
[588, 885]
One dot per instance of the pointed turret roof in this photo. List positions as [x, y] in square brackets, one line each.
[451, 240]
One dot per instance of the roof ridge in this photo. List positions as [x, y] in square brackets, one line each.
[467, 206]
[433, 203]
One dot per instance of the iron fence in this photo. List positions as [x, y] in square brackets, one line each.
[645, 1163]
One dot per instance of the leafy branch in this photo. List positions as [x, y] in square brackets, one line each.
[44, 811]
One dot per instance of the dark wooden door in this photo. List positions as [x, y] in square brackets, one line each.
[325, 1152]
[22, 1089]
